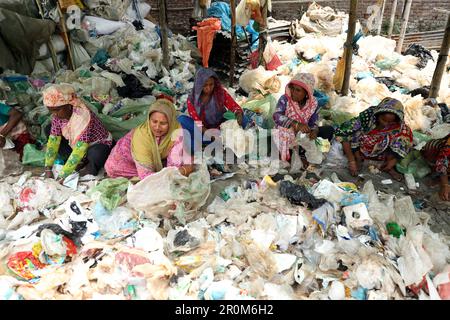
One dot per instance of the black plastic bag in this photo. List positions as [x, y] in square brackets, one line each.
[298, 195]
[133, 88]
[420, 52]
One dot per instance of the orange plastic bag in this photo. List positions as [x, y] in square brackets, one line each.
[206, 31]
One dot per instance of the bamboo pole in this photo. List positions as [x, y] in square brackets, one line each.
[405, 19]
[164, 32]
[233, 41]
[442, 60]
[348, 52]
[392, 21]
[263, 35]
[380, 23]
[63, 25]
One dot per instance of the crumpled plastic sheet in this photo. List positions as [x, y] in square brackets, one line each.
[240, 141]
[323, 20]
[186, 194]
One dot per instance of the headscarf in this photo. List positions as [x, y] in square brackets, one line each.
[144, 147]
[211, 113]
[397, 137]
[293, 110]
[58, 95]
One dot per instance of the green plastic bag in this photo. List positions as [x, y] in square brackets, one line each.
[386, 64]
[114, 123]
[265, 106]
[414, 164]
[229, 115]
[337, 117]
[421, 137]
[32, 156]
[113, 192]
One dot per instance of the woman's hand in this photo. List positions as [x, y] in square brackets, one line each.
[2, 141]
[444, 193]
[313, 134]
[48, 173]
[301, 127]
[186, 170]
[239, 118]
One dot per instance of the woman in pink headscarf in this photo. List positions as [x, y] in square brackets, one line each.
[298, 111]
[77, 134]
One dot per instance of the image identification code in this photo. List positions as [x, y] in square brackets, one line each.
[245, 309]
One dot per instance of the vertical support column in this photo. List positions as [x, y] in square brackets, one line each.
[164, 32]
[233, 41]
[380, 24]
[348, 52]
[405, 19]
[263, 35]
[442, 60]
[392, 21]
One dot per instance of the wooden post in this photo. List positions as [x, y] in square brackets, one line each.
[348, 52]
[405, 18]
[380, 23]
[164, 33]
[442, 60]
[392, 21]
[263, 35]
[233, 41]
[65, 36]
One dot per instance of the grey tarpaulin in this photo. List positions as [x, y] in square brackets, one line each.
[20, 39]
[24, 7]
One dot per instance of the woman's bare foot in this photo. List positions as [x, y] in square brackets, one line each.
[395, 175]
[353, 168]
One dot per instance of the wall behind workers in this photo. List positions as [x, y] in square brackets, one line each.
[178, 14]
[422, 16]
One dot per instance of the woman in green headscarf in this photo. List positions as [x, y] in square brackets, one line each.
[378, 133]
[151, 146]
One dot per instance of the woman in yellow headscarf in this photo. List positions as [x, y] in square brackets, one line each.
[150, 147]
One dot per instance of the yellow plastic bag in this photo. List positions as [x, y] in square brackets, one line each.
[338, 79]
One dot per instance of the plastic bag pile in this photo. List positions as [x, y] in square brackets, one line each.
[118, 74]
[294, 239]
[377, 70]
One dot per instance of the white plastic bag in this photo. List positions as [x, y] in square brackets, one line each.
[173, 189]
[313, 154]
[240, 141]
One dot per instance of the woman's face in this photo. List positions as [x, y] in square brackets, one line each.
[62, 112]
[298, 94]
[159, 124]
[387, 119]
[208, 87]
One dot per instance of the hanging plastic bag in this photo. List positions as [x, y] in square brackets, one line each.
[270, 57]
[338, 79]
